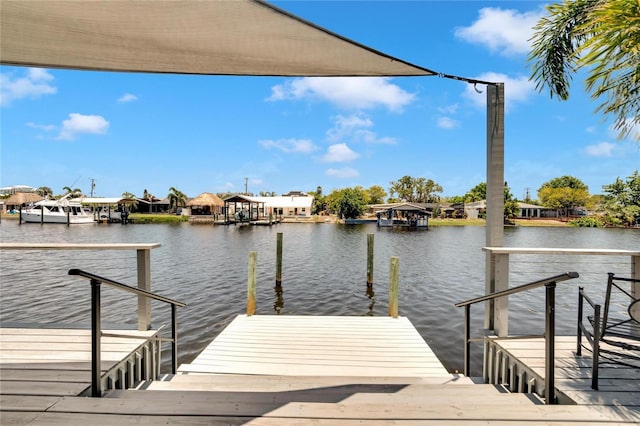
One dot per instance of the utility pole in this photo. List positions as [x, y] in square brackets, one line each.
[93, 185]
[246, 186]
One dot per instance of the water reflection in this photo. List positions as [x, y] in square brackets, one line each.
[371, 296]
[278, 303]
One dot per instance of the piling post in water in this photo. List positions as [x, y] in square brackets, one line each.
[394, 273]
[251, 283]
[279, 260]
[68, 215]
[20, 217]
[369, 260]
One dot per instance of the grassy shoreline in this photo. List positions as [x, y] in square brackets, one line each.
[144, 218]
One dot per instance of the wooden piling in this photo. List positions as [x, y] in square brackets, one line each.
[279, 260]
[20, 217]
[251, 283]
[369, 260]
[394, 273]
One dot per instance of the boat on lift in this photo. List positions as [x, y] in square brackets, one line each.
[62, 210]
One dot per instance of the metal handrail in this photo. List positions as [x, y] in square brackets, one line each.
[549, 334]
[96, 329]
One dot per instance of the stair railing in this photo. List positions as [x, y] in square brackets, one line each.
[96, 329]
[549, 333]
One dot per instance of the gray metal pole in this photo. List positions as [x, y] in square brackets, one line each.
[495, 188]
[96, 385]
[550, 336]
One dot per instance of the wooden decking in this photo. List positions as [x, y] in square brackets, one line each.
[319, 346]
[271, 370]
[38, 366]
[619, 393]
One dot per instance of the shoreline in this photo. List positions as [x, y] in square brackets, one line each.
[169, 218]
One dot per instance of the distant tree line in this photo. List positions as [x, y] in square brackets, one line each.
[619, 205]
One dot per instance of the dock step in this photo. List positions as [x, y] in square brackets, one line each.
[260, 383]
[329, 407]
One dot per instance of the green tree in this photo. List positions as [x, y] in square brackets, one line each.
[564, 193]
[415, 190]
[601, 36]
[176, 199]
[455, 199]
[132, 200]
[44, 191]
[622, 200]
[75, 192]
[477, 193]
[376, 194]
[511, 208]
[350, 203]
[148, 196]
[319, 201]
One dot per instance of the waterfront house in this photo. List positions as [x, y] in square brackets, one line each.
[294, 204]
[256, 208]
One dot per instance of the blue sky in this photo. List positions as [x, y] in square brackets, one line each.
[131, 132]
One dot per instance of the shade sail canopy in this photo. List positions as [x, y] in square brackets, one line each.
[241, 37]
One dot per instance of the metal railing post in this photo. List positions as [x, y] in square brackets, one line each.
[467, 343]
[96, 385]
[597, 334]
[174, 340]
[550, 336]
[580, 314]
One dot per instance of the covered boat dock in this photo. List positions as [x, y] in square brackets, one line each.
[405, 215]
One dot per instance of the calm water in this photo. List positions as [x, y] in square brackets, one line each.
[324, 273]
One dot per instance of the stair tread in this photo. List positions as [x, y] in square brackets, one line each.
[345, 409]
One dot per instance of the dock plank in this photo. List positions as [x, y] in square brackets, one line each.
[53, 362]
[619, 393]
[308, 345]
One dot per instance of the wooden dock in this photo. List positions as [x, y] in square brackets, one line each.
[619, 393]
[319, 346]
[272, 370]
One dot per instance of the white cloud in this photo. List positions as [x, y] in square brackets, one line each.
[339, 153]
[343, 173]
[602, 149]
[447, 123]
[345, 92]
[128, 97]
[505, 31]
[45, 127]
[303, 146]
[345, 126]
[449, 109]
[354, 128]
[79, 123]
[370, 137]
[516, 90]
[34, 84]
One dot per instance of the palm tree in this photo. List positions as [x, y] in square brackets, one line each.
[75, 192]
[146, 195]
[44, 191]
[601, 36]
[176, 198]
[132, 200]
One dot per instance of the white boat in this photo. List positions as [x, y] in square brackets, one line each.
[63, 210]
